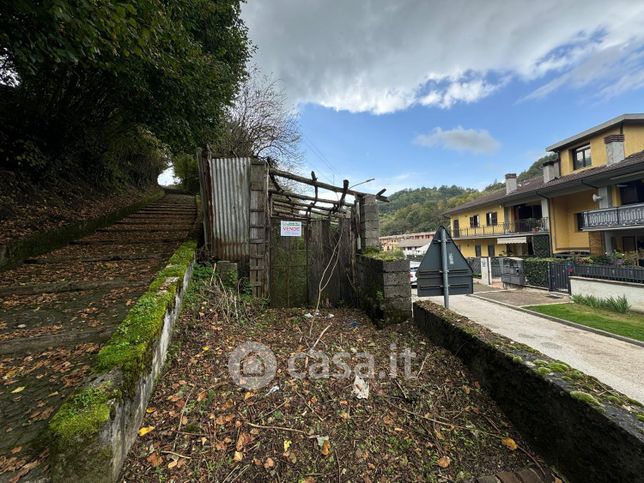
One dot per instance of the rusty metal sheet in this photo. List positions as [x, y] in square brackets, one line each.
[230, 180]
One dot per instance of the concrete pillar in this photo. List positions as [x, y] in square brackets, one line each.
[369, 222]
[486, 271]
[606, 200]
[608, 242]
[545, 208]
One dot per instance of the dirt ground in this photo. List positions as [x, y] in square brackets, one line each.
[436, 425]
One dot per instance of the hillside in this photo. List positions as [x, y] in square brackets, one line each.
[419, 209]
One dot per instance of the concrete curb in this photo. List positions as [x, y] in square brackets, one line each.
[96, 451]
[563, 321]
[586, 439]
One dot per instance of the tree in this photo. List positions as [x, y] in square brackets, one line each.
[259, 123]
[80, 76]
[186, 170]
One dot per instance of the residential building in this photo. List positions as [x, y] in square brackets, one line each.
[409, 243]
[589, 200]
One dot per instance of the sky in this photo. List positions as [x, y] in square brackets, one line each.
[425, 93]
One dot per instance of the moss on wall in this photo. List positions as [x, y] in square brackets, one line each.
[554, 406]
[119, 364]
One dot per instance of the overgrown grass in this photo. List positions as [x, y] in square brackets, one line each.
[387, 256]
[627, 324]
[616, 304]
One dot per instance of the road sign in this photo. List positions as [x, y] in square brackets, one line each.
[444, 270]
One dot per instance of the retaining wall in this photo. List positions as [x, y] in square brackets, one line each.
[634, 292]
[91, 433]
[585, 429]
[383, 289]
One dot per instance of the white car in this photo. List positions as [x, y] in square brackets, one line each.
[413, 280]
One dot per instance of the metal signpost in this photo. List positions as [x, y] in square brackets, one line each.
[444, 270]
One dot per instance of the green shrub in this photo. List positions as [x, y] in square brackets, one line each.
[387, 256]
[618, 304]
[536, 270]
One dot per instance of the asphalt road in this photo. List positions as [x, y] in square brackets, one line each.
[616, 363]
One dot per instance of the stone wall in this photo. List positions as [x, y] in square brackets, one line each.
[634, 292]
[383, 289]
[91, 434]
[585, 429]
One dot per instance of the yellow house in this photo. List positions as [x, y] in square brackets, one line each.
[589, 200]
[507, 222]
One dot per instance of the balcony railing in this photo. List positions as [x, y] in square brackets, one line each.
[628, 215]
[526, 226]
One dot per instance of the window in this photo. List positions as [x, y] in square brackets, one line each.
[631, 192]
[491, 250]
[581, 157]
[477, 250]
[475, 221]
[580, 221]
[491, 218]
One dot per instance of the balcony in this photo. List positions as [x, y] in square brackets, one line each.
[620, 217]
[523, 227]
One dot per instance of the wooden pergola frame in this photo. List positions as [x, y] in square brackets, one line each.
[287, 203]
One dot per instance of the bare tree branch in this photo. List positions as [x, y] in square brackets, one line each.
[260, 124]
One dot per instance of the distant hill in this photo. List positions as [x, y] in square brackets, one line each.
[419, 209]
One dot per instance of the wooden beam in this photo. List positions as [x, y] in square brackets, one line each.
[285, 208]
[319, 184]
[305, 206]
[308, 198]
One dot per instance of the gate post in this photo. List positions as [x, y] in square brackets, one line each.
[205, 188]
[258, 227]
[369, 229]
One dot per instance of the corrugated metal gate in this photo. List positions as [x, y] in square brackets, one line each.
[234, 194]
[231, 207]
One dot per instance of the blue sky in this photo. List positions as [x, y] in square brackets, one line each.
[338, 144]
[423, 93]
[427, 92]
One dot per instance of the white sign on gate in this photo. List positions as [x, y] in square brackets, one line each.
[290, 228]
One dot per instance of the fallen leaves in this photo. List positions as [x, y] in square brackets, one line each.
[243, 440]
[18, 389]
[509, 443]
[325, 445]
[287, 444]
[154, 459]
[145, 430]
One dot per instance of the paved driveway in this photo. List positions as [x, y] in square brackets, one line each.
[614, 362]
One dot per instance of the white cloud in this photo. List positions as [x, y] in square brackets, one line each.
[478, 141]
[380, 56]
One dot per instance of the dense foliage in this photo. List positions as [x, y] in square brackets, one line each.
[107, 89]
[414, 210]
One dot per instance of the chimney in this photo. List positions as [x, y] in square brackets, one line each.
[614, 148]
[510, 183]
[551, 170]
